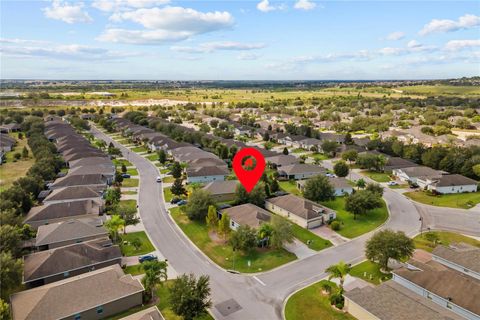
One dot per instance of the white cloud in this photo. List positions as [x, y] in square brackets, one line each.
[305, 5]
[466, 21]
[394, 36]
[456, 45]
[166, 24]
[119, 5]
[389, 51]
[214, 46]
[413, 46]
[292, 63]
[66, 12]
[265, 6]
[248, 56]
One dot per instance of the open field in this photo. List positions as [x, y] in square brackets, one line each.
[441, 90]
[444, 237]
[457, 200]
[10, 170]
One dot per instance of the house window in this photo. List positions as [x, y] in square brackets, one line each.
[66, 274]
[100, 310]
[77, 316]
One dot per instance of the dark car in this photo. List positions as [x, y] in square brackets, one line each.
[125, 175]
[147, 257]
[182, 202]
[175, 200]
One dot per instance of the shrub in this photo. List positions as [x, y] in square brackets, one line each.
[335, 225]
[337, 300]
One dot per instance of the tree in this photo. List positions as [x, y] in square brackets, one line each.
[256, 196]
[264, 233]
[274, 187]
[17, 156]
[155, 274]
[10, 238]
[244, 238]
[339, 271]
[114, 225]
[350, 155]
[375, 188]
[285, 151]
[212, 218]
[136, 243]
[112, 196]
[124, 168]
[361, 183]
[361, 202]
[189, 297]
[176, 170]
[388, 244]
[476, 169]
[348, 139]
[25, 152]
[319, 188]
[198, 203]
[118, 178]
[4, 310]
[281, 232]
[10, 273]
[341, 169]
[128, 215]
[224, 225]
[177, 188]
[371, 161]
[329, 147]
[162, 156]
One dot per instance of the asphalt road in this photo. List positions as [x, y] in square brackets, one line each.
[256, 296]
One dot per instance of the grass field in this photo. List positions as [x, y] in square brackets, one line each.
[129, 203]
[319, 156]
[351, 228]
[10, 170]
[370, 272]
[445, 238]
[223, 255]
[441, 90]
[316, 243]
[134, 270]
[130, 183]
[132, 172]
[119, 162]
[457, 200]
[310, 303]
[167, 194]
[139, 149]
[129, 192]
[289, 186]
[152, 157]
[129, 250]
[377, 176]
[299, 150]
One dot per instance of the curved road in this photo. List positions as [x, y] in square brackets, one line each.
[248, 296]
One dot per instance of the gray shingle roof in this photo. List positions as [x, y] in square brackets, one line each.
[248, 214]
[461, 254]
[299, 206]
[221, 187]
[61, 210]
[69, 230]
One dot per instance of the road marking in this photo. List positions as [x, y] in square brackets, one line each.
[260, 281]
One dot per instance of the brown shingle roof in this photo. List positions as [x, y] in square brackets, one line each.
[70, 193]
[299, 206]
[61, 210]
[151, 313]
[221, 187]
[462, 254]
[248, 214]
[69, 230]
[449, 180]
[300, 168]
[207, 171]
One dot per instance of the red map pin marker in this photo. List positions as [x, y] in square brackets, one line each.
[247, 170]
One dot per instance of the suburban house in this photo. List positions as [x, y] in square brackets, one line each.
[206, 174]
[411, 174]
[300, 171]
[291, 140]
[222, 190]
[310, 143]
[64, 262]
[151, 313]
[93, 295]
[7, 143]
[340, 185]
[303, 212]
[448, 183]
[69, 232]
[246, 214]
[10, 127]
[74, 193]
[61, 211]
[95, 180]
[281, 160]
[397, 163]
[461, 257]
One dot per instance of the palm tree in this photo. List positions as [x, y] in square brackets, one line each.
[339, 270]
[114, 224]
[155, 274]
[264, 233]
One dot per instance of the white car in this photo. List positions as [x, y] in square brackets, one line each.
[159, 179]
[392, 183]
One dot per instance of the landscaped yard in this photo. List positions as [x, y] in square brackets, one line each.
[351, 228]
[129, 203]
[310, 303]
[129, 192]
[377, 176]
[130, 183]
[370, 272]
[139, 149]
[316, 243]
[289, 186]
[444, 237]
[134, 270]
[222, 254]
[122, 141]
[132, 172]
[299, 150]
[119, 162]
[129, 250]
[457, 200]
[319, 156]
[152, 157]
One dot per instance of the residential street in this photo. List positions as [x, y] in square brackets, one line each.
[262, 296]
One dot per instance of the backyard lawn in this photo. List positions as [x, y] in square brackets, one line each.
[222, 254]
[310, 303]
[370, 272]
[377, 176]
[129, 250]
[351, 228]
[316, 243]
[139, 149]
[444, 237]
[457, 200]
[130, 183]
[289, 186]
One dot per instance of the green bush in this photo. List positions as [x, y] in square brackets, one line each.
[335, 225]
[337, 300]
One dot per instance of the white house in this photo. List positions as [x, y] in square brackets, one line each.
[299, 171]
[206, 174]
[448, 183]
[247, 214]
[411, 174]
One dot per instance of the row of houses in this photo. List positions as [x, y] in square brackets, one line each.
[444, 285]
[75, 270]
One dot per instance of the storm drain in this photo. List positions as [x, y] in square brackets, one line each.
[228, 307]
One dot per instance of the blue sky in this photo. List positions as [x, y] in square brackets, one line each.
[262, 39]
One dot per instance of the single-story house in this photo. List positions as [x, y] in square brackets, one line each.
[303, 212]
[64, 262]
[92, 180]
[411, 174]
[398, 163]
[75, 193]
[222, 190]
[300, 171]
[151, 313]
[281, 160]
[246, 214]
[340, 186]
[206, 174]
[310, 143]
[10, 127]
[7, 143]
[459, 256]
[448, 183]
[94, 295]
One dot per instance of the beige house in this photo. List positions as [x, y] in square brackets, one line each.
[247, 214]
[222, 190]
[90, 296]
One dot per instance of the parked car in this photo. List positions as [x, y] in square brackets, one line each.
[159, 179]
[147, 257]
[125, 175]
[392, 183]
[175, 200]
[331, 175]
[182, 202]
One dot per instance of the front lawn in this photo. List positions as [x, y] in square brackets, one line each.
[222, 253]
[310, 303]
[351, 228]
[457, 200]
[299, 150]
[289, 186]
[140, 149]
[122, 141]
[377, 176]
[129, 250]
[119, 162]
[167, 194]
[134, 270]
[316, 243]
[370, 272]
[152, 157]
[168, 179]
[129, 192]
[319, 156]
[132, 204]
[445, 238]
[132, 172]
[130, 183]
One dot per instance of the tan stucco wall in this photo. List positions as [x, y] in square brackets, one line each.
[357, 311]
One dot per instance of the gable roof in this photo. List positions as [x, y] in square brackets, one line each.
[151, 313]
[221, 187]
[299, 168]
[248, 214]
[420, 171]
[282, 160]
[70, 230]
[451, 180]
[207, 171]
[70, 193]
[461, 254]
[61, 210]
[299, 206]
[80, 180]
[67, 297]
[47, 263]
